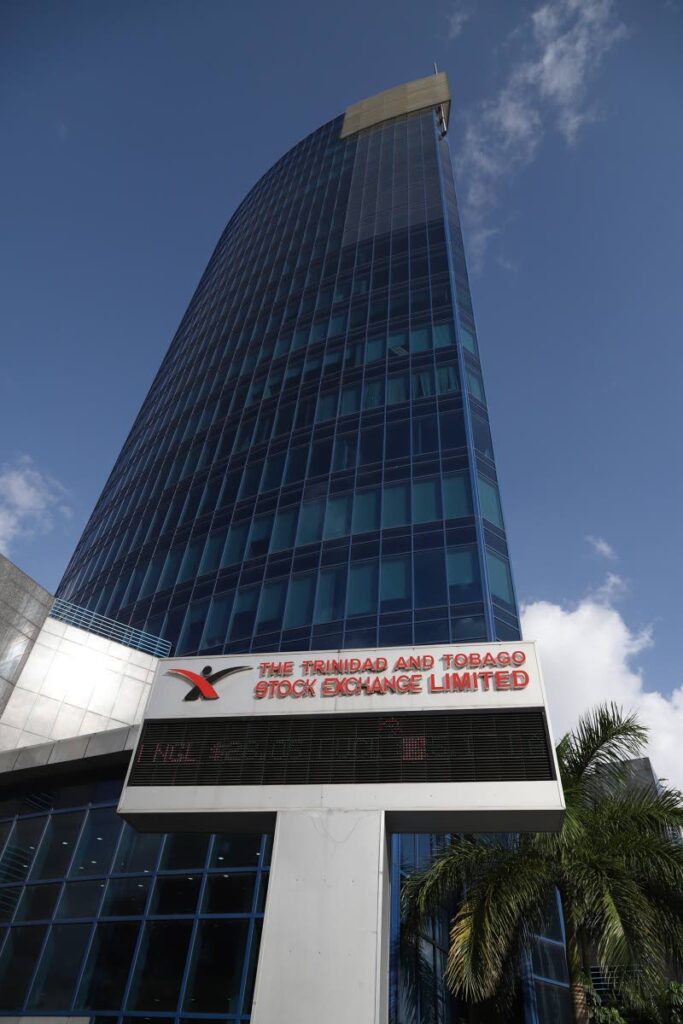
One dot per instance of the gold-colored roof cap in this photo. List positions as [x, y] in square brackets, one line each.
[432, 91]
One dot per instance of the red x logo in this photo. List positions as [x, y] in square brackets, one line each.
[202, 684]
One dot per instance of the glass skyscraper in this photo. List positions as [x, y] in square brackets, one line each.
[312, 466]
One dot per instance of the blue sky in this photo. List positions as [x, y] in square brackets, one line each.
[130, 132]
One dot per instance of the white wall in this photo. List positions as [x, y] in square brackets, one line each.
[75, 683]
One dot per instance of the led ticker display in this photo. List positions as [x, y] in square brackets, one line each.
[450, 746]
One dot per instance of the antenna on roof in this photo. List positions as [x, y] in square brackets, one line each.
[436, 70]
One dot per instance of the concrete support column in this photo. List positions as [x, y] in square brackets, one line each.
[325, 943]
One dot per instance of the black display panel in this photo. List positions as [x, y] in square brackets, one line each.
[451, 746]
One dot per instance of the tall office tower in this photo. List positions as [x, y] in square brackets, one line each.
[312, 467]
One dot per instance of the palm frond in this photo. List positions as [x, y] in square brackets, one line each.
[496, 922]
[603, 739]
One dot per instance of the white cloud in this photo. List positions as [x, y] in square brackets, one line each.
[589, 654]
[29, 501]
[457, 19]
[560, 48]
[602, 547]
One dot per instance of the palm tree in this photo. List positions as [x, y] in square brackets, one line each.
[617, 862]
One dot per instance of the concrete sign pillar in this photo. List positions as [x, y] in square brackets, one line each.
[324, 947]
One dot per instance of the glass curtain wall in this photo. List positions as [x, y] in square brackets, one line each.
[313, 466]
[99, 920]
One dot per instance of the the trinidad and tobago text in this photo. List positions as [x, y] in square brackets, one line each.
[357, 677]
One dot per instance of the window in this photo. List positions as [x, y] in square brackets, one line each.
[125, 897]
[482, 436]
[57, 846]
[375, 349]
[363, 582]
[425, 435]
[443, 335]
[299, 611]
[344, 451]
[296, 465]
[373, 394]
[463, 575]
[430, 578]
[396, 507]
[272, 474]
[456, 495]
[371, 442]
[329, 604]
[321, 456]
[17, 962]
[229, 893]
[213, 549]
[236, 543]
[171, 566]
[184, 850]
[500, 580]
[244, 612]
[97, 843]
[271, 606]
[137, 852]
[284, 529]
[327, 406]
[80, 899]
[475, 384]
[59, 967]
[366, 510]
[107, 966]
[215, 972]
[350, 399]
[422, 383]
[398, 440]
[175, 894]
[397, 388]
[468, 340]
[259, 537]
[193, 552]
[217, 620]
[37, 902]
[490, 502]
[447, 379]
[426, 504]
[159, 966]
[338, 516]
[420, 338]
[193, 627]
[395, 589]
[311, 522]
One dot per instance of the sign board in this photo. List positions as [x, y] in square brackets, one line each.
[439, 737]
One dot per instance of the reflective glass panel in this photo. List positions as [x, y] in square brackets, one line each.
[20, 849]
[175, 894]
[125, 897]
[229, 893]
[37, 902]
[17, 963]
[184, 850]
[59, 967]
[215, 972]
[97, 843]
[107, 966]
[159, 966]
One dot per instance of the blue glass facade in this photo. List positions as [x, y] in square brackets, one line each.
[100, 921]
[312, 466]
